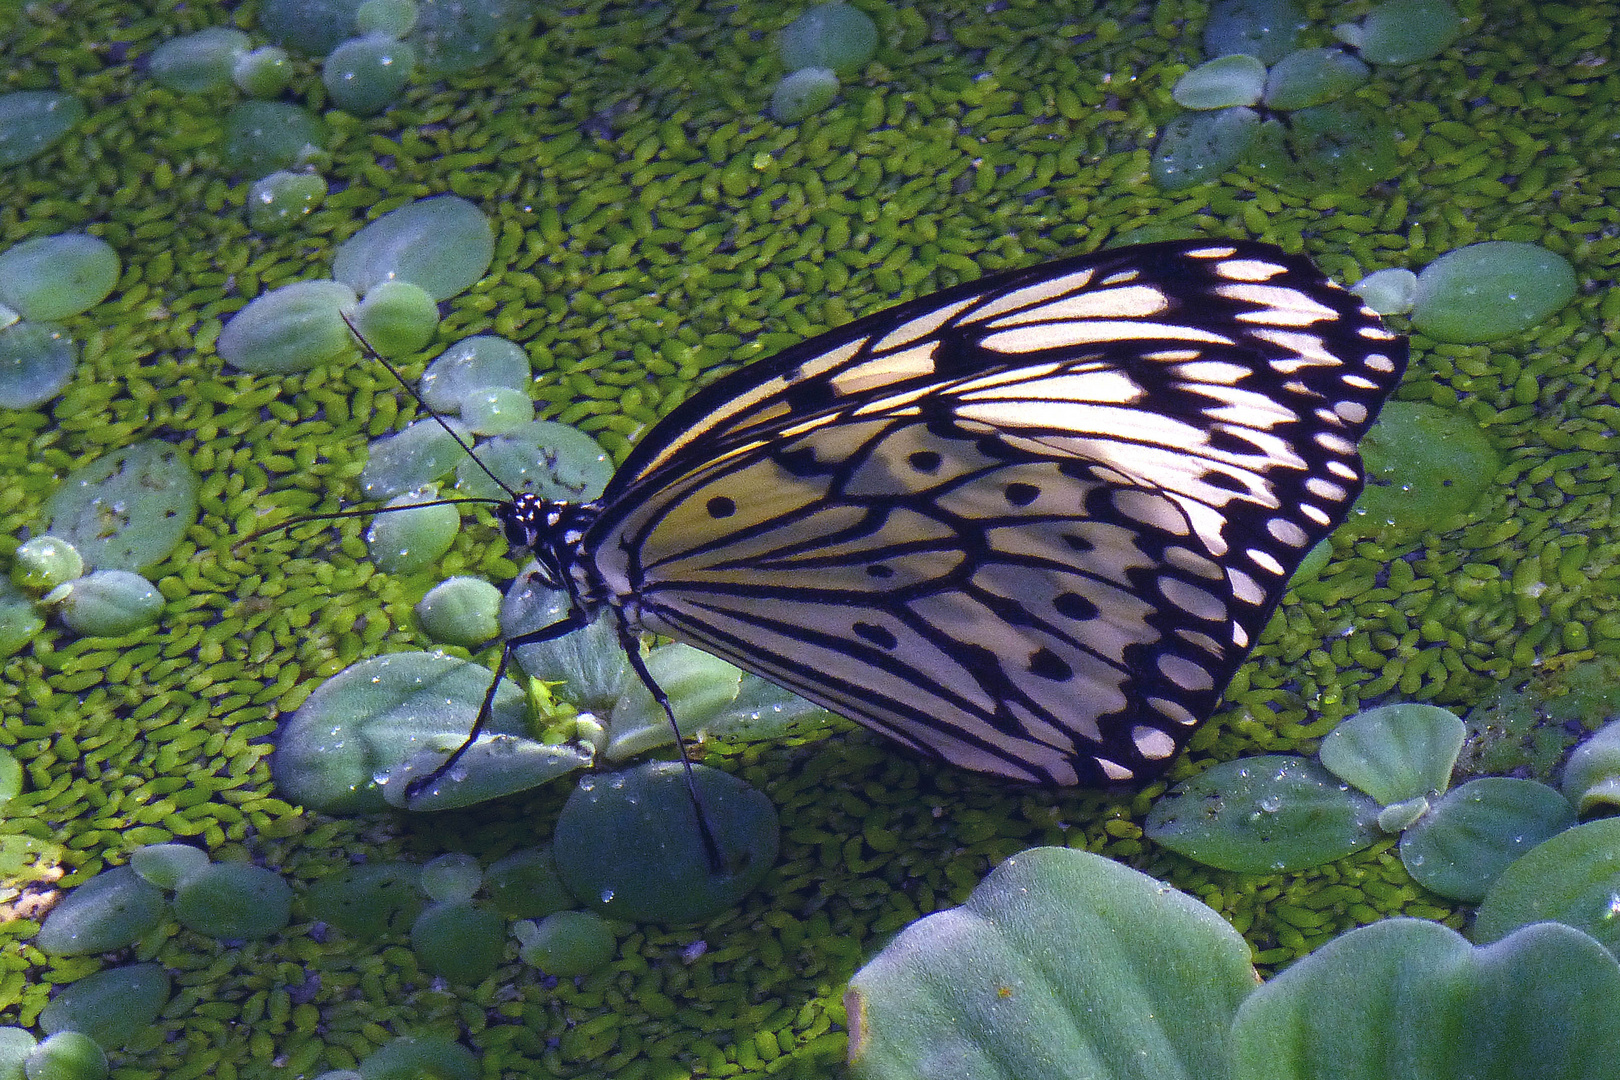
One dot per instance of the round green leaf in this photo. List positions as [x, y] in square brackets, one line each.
[233, 901]
[1426, 468]
[628, 845]
[128, 509]
[109, 911]
[110, 1006]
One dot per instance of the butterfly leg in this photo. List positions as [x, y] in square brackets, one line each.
[632, 649]
[574, 620]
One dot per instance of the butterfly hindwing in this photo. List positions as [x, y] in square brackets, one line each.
[1031, 525]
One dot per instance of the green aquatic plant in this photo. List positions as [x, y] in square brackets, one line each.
[199, 63]
[280, 200]
[1489, 291]
[412, 540]
[1404, 31]
[365, 75]
[660, 872]
[459, 940]
[1221, 83]
[1427, 469]
[106, 603]
[1064, 964]
[111, 1007]
[441, 244]
[126, 510]
[37, 361]
[34, 121]
[835, 36]
[262, 137]
[567, 943]
[41, 563]
[50, 278]
[463, 611]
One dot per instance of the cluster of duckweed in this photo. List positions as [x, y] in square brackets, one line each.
[650, 227]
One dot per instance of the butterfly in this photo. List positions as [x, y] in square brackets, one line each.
[1030, 525]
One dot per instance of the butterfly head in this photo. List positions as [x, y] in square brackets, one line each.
[549, 530]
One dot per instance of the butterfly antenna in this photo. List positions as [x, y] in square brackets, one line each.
[632, 649]
[411, 390]
[304, 519]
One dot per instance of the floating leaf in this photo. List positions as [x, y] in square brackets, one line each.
[1264, 815]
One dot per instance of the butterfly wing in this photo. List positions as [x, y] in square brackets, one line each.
[1030, 525]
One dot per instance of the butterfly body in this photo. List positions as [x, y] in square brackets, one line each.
[1030, 525]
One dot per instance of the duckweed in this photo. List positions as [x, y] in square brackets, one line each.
[630, 273]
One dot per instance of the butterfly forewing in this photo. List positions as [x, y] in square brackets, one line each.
[1030, 525]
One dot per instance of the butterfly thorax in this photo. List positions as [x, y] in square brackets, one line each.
[553, 532]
